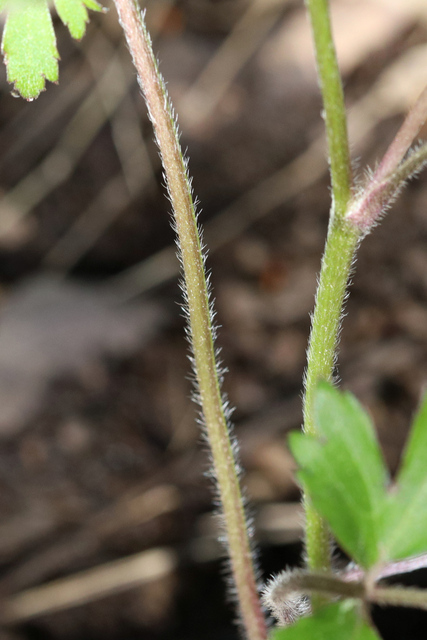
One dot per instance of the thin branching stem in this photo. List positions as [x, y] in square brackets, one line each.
[350, 221]
[367, 210]
[396, 167]
[333, 104]
[200, 317]
[344, 236]
[411, 166]
[337, 260]
[289, 583]
[398, 597]
[405, 137]
[336, 265]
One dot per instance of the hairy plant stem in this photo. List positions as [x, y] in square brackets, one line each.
[288, 584]
[333, 103]
[337, 260]
[404, 138]
[199, 312]
[303, 583]
[366, 211]
[398, 597]
[340, 247]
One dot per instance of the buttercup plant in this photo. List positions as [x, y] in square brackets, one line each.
[348, 494]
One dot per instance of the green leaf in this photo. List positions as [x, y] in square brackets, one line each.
[29, 43]
[74, 15]
[29, 47]
[343, 472]
[341, 621]
[407, 513]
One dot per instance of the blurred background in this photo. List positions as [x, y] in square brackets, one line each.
[106, 523]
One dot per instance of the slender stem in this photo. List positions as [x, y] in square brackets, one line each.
[199, 313]
[336, 265]
[333, 103]
[340, 247]
[344, 235]
[399, 597]
[379, 572]
[302, 582]
[367, 210]
[411, 166]
[404, 138]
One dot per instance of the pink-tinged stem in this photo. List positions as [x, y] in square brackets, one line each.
[393, 171]
[405, 137]
[389, 570]
[199, 314]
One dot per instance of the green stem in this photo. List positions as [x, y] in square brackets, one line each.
[199, 314]
[340, 247]
[399, 597]
[339, 251]
[333, 103]
[287, 584]
[336, 265]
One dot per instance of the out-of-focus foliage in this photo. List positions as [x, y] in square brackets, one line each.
[29, 42]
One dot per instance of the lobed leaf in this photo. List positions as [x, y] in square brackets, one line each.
[343, 472]
[29, 47]
[341, 621]
[29, 43]
[407, 510]
[74, 14]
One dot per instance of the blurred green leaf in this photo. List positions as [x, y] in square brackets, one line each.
[343, 471]
[74, 14]
[407, 514]
[29, 43]
[29, 47]
[342, 621]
